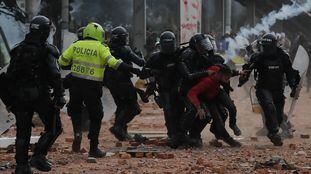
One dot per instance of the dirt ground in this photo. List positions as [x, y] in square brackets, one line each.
[296, 151]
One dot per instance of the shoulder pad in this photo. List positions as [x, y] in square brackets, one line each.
[53, 50]
[283, 52]
[153, 58]
[254, 57]
[187, 54]
[219, 59]
[155, 54]
[16, 46]
[128, 48]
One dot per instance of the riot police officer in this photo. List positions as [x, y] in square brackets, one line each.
[32, 72]
[88, 59]
[80, 33]
[120, 85]
[164, 67]
[271, 64]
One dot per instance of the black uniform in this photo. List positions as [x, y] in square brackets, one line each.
[164, 66]
[167, 78]
[271, 65]
[120, 85]
[122, 90]
[32, 72]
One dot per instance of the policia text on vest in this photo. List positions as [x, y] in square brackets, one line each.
[88, 59]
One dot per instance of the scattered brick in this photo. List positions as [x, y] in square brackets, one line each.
[139, 154]
[125, 156]
[69, 140]
[305, 136]
[292, 146]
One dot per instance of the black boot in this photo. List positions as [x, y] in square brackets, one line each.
[95, 152]
[118, 133]
[76, 144]
[143, 95]
[197, 143]
[127, 136]
[23, 169]
[173, 142]
[117, 128]
[40, 162]
[275, 139]
[232, 142]
[236, 129]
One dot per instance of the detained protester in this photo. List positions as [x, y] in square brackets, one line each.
[209, 89]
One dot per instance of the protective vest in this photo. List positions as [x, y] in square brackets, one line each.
[271, 73]
[88, 59]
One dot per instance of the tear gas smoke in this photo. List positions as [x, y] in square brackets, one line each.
[286, 12]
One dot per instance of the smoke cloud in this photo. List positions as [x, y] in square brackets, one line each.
[286, 12]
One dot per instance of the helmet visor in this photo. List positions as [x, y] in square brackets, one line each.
[204, 46]
[123, 39]
[167, 47]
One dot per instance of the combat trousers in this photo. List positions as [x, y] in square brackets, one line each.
[88, 93]
[125, 97]
[50, 117]
[272, 103]
[173, 109]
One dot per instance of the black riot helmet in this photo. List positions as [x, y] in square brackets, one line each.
[167, 42]
[80, 33]
[119, 36]
[40, 25]
[268, 43]
[202, 44]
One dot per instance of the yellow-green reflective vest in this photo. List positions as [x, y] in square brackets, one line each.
[88, 59]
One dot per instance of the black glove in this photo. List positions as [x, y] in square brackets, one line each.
[145, 73]
[59, 102]
[129, 68]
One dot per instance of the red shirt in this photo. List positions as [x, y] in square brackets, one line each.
[209, 87]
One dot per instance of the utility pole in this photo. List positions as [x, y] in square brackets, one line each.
[139, 24]
[251, 13]
[65, 20]
[222, 15]
[65, 14]
[228, 7]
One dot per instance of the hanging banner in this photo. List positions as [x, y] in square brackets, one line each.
[190, 19]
